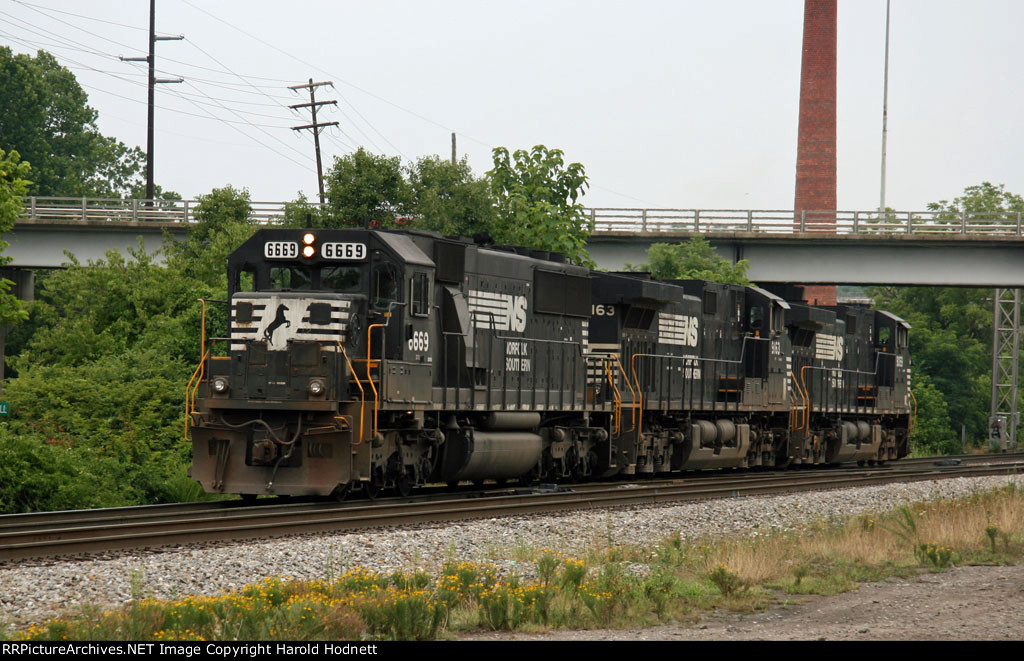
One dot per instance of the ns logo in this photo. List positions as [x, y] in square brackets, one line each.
[517, 314]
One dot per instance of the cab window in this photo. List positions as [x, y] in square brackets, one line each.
[420, 294]
[756, 322]
[385, 285]
[340, 278]
[290, 278]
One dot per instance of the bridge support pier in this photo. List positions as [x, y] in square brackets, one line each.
[1003, 415]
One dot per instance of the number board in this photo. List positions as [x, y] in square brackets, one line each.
[343, 251]
[281, 249]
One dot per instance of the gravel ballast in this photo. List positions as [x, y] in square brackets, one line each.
[32, 591]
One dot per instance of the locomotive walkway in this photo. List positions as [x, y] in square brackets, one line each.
[841, 247]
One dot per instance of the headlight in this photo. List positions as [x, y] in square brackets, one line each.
[316, 387]
[220, 385]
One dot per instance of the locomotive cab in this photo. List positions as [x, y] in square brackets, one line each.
[312, 314]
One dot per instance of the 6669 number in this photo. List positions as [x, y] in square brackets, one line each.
[343, 251]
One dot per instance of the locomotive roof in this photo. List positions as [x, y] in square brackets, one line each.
[405, 248]
[767, 294]
[890, 315]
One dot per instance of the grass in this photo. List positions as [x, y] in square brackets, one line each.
[674, 580]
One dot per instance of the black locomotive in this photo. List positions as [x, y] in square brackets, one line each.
[374, 359]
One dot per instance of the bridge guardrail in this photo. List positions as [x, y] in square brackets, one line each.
[605, 219]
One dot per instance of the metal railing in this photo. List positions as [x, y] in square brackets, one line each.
[605, 220]
[73, 209]
[782, 221]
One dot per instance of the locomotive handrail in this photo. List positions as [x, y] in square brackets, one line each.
[699, 359]
[362, 393]
[633, 405]
[190, 393]
[617, 411]
[533, 390]
[804, 398]
[807, 399]
[369, 362]
[369, 358]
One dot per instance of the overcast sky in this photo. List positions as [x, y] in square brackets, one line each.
[667, 103]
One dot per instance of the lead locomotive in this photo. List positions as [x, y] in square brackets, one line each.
[365, 359]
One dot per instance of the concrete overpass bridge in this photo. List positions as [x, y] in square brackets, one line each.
[843, 247]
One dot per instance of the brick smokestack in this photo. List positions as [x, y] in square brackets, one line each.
[816, 141]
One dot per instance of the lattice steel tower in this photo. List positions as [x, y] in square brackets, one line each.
[1003, 416]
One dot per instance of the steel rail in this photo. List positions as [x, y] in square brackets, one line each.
[187, 524]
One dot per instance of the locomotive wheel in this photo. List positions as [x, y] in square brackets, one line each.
[371, 489]
[340, 493]
[403, 485]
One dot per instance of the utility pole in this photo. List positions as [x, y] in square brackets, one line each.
[315, 126]
[453, 148]
[885, 111]
[153, 82]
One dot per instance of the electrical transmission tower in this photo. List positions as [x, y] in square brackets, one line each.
[1003, 416]
[153, 82]
[315, 126]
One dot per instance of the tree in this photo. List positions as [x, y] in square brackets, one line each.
[694, 260]
[985, 201]
[951, 340]
[223, 220]
[365, 189]
[13, 184]
[447, 198]
[537, 198]
[45, 116]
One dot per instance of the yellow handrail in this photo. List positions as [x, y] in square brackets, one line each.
[617, 413]
[190, 394]
[807, 399]
[369, 363]
[803, 398]
[633, 406]
[362, 393]
[638, 398]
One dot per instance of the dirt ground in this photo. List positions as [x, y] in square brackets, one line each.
[964, 603]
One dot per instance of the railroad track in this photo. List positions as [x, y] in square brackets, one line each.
[41, 535]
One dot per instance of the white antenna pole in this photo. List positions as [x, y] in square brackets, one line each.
[885, 109]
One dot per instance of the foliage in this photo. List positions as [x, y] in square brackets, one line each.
[448, 199]
[933, 431]
[984, 201]
[365, 189]
[13, 185]
[694, 260]
[223, 220]
[45, 116]
[537, 199]
[102, 365]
